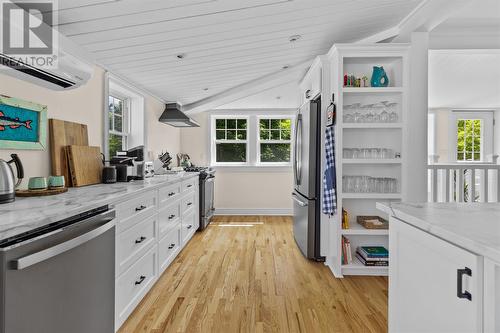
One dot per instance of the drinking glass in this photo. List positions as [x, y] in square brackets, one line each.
[393, 185]
[356, 153]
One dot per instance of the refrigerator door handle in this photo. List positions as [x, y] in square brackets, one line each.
[298, 149]
[301, 203]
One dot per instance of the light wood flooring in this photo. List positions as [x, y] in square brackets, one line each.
[246, 274]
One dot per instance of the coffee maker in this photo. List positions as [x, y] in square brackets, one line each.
[8, 183]
[129, 164]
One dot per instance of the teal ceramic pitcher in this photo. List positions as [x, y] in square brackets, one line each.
[379, 77]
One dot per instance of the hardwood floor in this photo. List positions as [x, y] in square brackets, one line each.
[246, 274]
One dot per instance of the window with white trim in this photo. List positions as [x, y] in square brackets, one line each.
[249, 139]
[118, 109]
[275, 144]
[231, 140]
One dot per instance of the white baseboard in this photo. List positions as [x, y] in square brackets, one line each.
[254, 211]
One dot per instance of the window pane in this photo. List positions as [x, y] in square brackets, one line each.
[468, 156]
[118, 106]
[220, 134]
[460, 156]
[231, 152]
[220, 123]
[275, 152]
[110, 117]
[111, 103]
[275, 123]
[231, 135]
[115, 144]
[286, 134]
[241, 123]
[477, 157]
[275, 134]
[264, 124]
[286, 124]
[231, 123]
[265, 135]
[118, 123]
[241, 135]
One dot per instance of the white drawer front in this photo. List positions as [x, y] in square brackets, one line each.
[188, 228]
[169, 193]
[130, 212]
[134, 283]
[134, 242]
[169, 246]
[168, 217]
[188, 203]
[189, 184]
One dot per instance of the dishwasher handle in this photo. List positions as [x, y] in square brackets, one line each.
[300, 203]
[53, 251]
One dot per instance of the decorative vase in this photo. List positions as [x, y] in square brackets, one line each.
[379, 77]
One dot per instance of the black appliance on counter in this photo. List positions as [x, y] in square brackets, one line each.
[207, 178]
[129, 164]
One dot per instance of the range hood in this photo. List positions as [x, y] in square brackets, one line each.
[175, 117]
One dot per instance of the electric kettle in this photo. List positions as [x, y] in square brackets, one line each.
[8, 184]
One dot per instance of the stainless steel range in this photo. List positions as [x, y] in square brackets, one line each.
[207, 178]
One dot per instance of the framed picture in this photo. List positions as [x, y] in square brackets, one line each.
[23, 124]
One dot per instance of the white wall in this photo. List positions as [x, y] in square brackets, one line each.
[83, 105]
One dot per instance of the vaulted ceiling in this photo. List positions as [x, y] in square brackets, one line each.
[223, 43]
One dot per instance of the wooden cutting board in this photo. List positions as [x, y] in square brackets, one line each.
[61, 134]
[85, 165]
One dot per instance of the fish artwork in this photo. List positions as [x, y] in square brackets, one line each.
[13, 123]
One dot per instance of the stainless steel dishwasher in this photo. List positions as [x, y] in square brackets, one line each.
[60, 278]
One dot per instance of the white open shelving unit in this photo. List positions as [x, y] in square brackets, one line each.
[359, 60]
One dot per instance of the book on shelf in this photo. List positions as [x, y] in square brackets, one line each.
[374, 251]
[345, 219]
[365, 257]
[346, 251]
[371, 262]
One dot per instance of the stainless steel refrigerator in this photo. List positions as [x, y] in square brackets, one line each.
[307, 180]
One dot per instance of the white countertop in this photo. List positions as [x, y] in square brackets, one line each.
[474, 227]
[26, 214]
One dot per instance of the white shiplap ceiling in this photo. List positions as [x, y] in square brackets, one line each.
[225, 43]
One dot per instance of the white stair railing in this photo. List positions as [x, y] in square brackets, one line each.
[464, 182]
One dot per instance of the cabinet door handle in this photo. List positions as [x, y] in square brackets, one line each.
[141, 207]
[171, 216]
[171, 246]
[189, 203]
[140, 240]
[190, 185]
[189, 226]
[460, 292]
[171, 194]
[141, 279]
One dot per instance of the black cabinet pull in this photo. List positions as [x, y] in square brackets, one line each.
[189, 203]
[189, 186]
[189, 226]
[141, 279]
[141, 207]
[171, 246]
[171, 216]
[460, 292]
[171, 194]
[140, 240]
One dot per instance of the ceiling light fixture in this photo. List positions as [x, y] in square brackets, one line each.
[294, 38]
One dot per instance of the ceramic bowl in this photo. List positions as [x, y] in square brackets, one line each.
[37, 183]
[56, 181]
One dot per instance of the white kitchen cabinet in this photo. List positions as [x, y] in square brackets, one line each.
[430, 283]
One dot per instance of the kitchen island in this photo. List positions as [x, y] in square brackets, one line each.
[444, 273]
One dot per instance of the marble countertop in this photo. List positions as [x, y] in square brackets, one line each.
[475, 227]
[26, 214]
